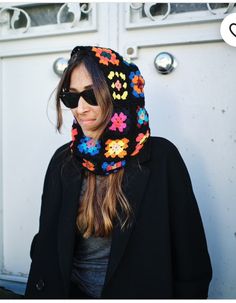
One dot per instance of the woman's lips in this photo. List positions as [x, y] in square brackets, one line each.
[87, 121]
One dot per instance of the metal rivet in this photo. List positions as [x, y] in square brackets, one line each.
[165, 63]
[60, 65]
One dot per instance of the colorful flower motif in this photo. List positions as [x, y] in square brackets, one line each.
[137, 83]
[89, 165]
[106, 56]
[119, 85]
[141, 139]
[89, 146]
[142, 116]
[116, 148]
[137, 149]
[118, 122]
[107, 166]
[74, 133]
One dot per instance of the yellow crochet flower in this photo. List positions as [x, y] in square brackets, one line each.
[119, 85]
[116, 148]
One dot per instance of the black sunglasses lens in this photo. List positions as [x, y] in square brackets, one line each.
[71, 100]
[89, 97]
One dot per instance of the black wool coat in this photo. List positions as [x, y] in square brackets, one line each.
[162, 255]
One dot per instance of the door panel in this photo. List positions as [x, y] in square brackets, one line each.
[193, 106]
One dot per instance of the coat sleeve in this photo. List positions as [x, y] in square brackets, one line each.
[191, 261]
[32, 246]
[47, 186]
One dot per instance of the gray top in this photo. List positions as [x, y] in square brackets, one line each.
[90, 261]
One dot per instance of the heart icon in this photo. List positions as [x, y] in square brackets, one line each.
[232, 29]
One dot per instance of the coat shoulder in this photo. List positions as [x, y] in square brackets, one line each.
[163, 149]
[59, 156]
[166, 151]
[65, 148]
[160, 145]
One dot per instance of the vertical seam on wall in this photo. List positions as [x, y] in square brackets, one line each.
[1, 165]
[113, 31]
[118, 26]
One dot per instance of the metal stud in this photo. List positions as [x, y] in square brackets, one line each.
[60, 65]
[165, 63]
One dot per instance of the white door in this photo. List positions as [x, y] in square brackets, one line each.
[192, 106]
[28, 136]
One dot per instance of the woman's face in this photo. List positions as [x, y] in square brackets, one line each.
[88, 116]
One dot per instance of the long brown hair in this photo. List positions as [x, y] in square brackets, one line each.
[100, 202]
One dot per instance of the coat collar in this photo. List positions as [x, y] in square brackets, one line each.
[134, 184]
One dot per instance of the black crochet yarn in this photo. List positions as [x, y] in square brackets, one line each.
[128, 130]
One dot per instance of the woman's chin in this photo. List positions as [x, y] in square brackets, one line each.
[89, 133]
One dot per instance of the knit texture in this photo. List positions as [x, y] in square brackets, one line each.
[128, 130]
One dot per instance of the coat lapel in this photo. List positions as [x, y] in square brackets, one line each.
[71, 186]
[134, 185]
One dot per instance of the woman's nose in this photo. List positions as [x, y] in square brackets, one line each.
[82, 106]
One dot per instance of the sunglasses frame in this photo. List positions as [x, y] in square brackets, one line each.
[71, 99]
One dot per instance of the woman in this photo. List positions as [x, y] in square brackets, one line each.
[119, 217]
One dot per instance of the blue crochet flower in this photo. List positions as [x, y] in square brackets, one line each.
[137, 83]
[107, 166]
[89, 146]
[142, 116]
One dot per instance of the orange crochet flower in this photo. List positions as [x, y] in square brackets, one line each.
[137, 149]
[141, 139]
[116, 148]
[106, 56]
[88, 164]
[137, 83]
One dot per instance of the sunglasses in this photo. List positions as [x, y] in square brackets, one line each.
[71, 100]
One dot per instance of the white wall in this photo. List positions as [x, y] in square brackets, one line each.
[194, 107]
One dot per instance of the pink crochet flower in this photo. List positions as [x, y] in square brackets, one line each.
[118, 85]
[118, 122]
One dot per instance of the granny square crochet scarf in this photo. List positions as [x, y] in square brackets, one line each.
[128, 130]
